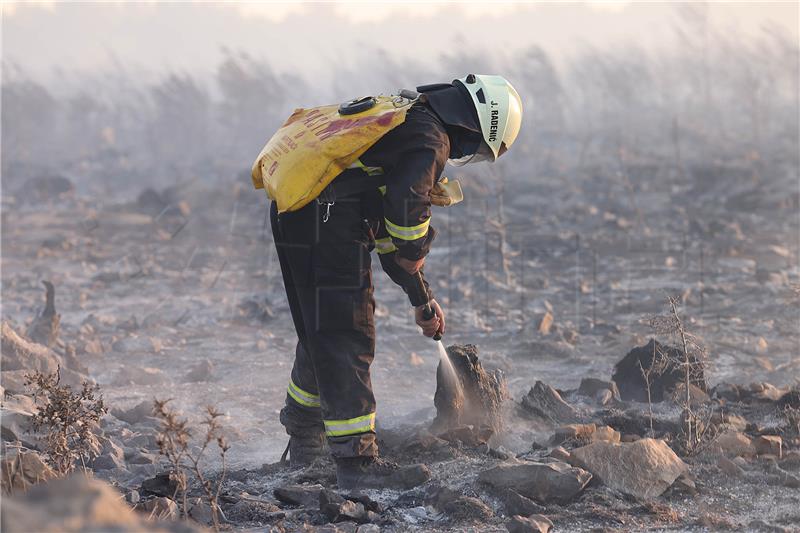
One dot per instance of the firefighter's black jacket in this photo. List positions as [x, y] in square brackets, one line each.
[412, 157]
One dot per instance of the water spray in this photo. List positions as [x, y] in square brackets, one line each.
[447, 366]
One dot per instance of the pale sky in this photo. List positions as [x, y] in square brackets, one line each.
[312, 38]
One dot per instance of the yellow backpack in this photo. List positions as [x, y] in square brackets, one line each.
[315, 145]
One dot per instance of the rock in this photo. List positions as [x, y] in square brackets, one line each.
[606, 434]
[730, 468]
[107, 462]
[247, 510]
[604, 397]
[768, 445]
[766, 392]
[368, 528]
[133, 497]
[790, 399]
[735, 422]
[468, 435]
[467, 508]
[535, 523]
[560, 454]
[643, 469]
[160, 508]
[579, 432]
[256, 308]
[14, 381]
[516, 503]
[546, 323]
[134, 375]
[72, 504]
[200, 511]
[459, 506]
[545, 402]
[111, 456]
[142, 458]
[141, 412]
[727, 391]
[22, 470]
[538, 481]
[202, 371]
[48, 187]
[45, 327]
[732, 444]
[301, 495]
[479, 399]
[589, 387]
[15, 425]
[697, 396]
[163, 484]
[339, 509]
[21, 354]
[791, 461]
[664, 379]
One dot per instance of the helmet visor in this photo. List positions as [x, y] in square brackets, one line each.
[483, 153]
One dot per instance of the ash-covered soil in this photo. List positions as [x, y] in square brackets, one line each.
[176, 293]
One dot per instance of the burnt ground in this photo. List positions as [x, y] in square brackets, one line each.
[189, 278]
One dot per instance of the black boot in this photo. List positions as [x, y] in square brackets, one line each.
[373, 473]
[304, 449]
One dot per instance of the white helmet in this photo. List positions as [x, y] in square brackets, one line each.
[499, 110]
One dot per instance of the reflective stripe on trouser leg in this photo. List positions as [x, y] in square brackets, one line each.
[302, 397]
[351, 426]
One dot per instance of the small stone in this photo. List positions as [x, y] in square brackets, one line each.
[300, 495]
[135, 415]
[735, 422]
[534, 523]
[200, 511]
[545, 402]
[516, 503]
[560, 453]
[606, 434]
[202, 371]
[467, 508]
[134, 375]
[768, 445]
[164, 484]
[604, 397]
[546, 323]
[589, 387]
[368, 528]
[732, 444]
[582, 432]
[107, 462]
[160, 508]
[539, 481]
[247, 510]
[729, 467]
[22, 470]
[133, 497]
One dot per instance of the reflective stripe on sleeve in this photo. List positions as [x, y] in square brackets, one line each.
[385, 245]
[353, 426]
[302, 397]
[407, 233]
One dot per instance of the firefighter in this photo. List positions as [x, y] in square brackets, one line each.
[384, 203]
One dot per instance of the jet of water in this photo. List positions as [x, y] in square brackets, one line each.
[448, 371]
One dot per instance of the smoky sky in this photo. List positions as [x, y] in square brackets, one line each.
[53, 41]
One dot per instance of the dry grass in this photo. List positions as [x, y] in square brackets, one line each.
[68, 417]
[174, 443]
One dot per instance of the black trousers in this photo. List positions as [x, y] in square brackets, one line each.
[328, 280]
